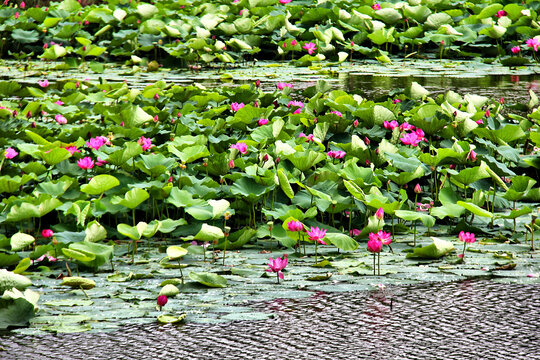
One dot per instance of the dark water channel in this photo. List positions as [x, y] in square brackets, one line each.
[475, 319]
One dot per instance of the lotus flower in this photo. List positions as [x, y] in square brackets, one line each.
[277, 265]
[472, 156]
[336, 113]
[97, 142]
[47, 233]
[467, 238]
[309, 137]
[241, 147]
[417, 189]
[231, 164]
[355, 232]
[236, 106]
[262, 122]
[310, 47]
[376, 6]
[283, 2]
[10, 153]
[161, 301]
[72, 149]
[295, 225]
[316, 234]
[374, 245]
[515, 49]
[336, 154]
[146, 143]
[411, 139]
[534, 43]
[395, 101]
[391, 125]
[60, 119]
[43, 83]
[501, 13]
[282, 85]
[86, 163]
[294, 42]
[379, 214]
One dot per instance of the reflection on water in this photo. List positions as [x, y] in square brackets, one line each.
[475, 319]
[514, 88]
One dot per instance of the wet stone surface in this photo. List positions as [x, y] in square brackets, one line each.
[473, 319]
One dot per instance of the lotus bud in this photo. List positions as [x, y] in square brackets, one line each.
[379, 214]
[417, 189]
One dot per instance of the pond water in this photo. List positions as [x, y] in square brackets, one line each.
[474, 319]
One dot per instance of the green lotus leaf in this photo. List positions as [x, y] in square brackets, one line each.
[78, 282]
[78, 255]
[132, 199]
[169, 290]
[55, 155]
[437, 249]
[475, 209]
[176, 252]
[21, 240]
[99, 184]
[170, 319]
[342, 241]
[408, 215]
[95, 232]
[209, 279]
[10, 280]
[209, 233]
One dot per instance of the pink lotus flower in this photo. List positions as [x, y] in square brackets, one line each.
[309, 137]
[16, 16]
[59, 102]
[85, 163]
[316, 234]
[43, 83]
[376, 6]
[355, 123]
[467, 237]
[60, 119]
[282, 85]
[374, 245]
[395, 101]
[472, 156]
[310, 47]
[515, 49]
[283, 2]
[379, 214]
[241, 147]
[101, 162]
[295, 103]
[146, 143]
[47, 233]
[406, 127]
[411, 139]
[97, 142]
[417, 189]
[423, 207]
[391, 125]
[161, 301]
[420, 134]
[236, 106]
[295, 225]
[501, 13]
[23, 5]
[534, 43]
[72, 149]
[479, 121]
[355, 232]
[10, 153]
[262, 122]
[385, 237]
[277, 265]
[294, 42]
[231, 164]
[336, 154]
[336, 113]
[43, 257]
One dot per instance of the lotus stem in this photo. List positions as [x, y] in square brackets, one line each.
[379, 263]
[316, 243]
[374, 265]
[88, 297]
[181, 273]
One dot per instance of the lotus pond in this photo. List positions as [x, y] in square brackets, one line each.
[204, 185]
